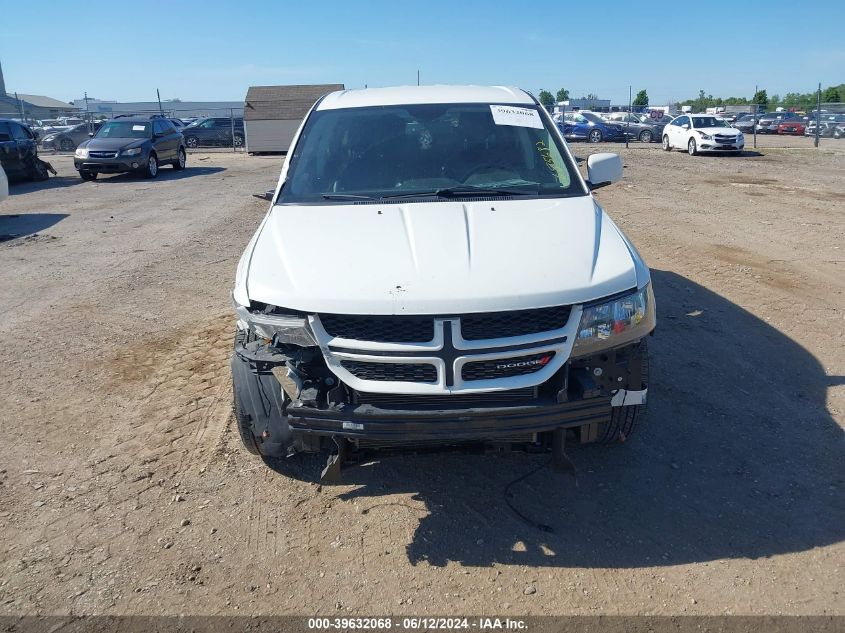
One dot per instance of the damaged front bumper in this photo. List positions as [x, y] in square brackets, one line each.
[581, 394]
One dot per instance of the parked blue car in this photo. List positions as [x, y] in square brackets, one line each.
[589, 126]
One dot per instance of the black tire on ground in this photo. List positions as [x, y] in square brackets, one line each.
[625, 420]
[594, 136]
[151, 170]
[179, 163]
[88, 175]
[666, 146]
[692, 148]
[67, 145]
[192, 142]
[259, 404]
[645, 136]
[239, 140]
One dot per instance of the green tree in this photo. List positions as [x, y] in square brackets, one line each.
[761, 98]
[563, 95]
[641, 99]
[831, 95]
[546, 98]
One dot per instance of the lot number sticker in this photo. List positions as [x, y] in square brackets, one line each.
[137, 128]
[521, 117]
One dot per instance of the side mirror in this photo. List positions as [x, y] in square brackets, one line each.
[90, 135]
[685, 126]
[603, 169]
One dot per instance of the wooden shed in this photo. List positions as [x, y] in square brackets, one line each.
[272, 114]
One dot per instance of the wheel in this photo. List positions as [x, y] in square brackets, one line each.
[88, 175]
[594, 136]
[837, 134]
[259, 405]
[179, 163]
[67, 145]
[666, 146]
[151, 171]
[645, 136]
[192, 142]
[624, 420]
[239, 140]
[691, 147]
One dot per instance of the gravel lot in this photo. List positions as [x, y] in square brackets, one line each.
[124, 489]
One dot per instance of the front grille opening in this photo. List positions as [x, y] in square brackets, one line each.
[475, 327]
[399, 372]
[381, 329]
[492, 399]
[506, 367]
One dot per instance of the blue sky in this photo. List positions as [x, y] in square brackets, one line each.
[215, 49]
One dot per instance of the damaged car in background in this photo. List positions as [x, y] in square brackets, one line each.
[434, 270]
[19, 153]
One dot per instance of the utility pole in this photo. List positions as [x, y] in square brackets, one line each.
[818, 115]
[418, 77]
[87, 114]
[159, 102]
[20, 107]
[628, 118]
[754, 108]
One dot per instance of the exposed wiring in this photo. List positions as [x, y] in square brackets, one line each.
[525, 519]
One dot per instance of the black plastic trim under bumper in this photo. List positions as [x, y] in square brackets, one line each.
[368, 422]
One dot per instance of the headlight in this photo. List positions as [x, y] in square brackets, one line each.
[706, 137]
[616, 322]
[131, 152]
[279, 328]
[82, 152]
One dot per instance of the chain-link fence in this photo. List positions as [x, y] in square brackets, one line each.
[219, 129]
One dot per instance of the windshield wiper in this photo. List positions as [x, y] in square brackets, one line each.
[459, 192]
[346, 196]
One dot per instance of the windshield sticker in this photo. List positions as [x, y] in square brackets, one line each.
[521, 117]
[138, 128]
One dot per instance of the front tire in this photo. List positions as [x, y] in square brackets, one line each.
[259, 407]
[67, 145]
[239, 140]
[645, 136]
[151, 170]
[192, 142]
[88, 175]
[594, 136]
[667, 146]
[692, 148]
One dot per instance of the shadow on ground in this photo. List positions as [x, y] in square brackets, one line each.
[737, 458]
[23, 224]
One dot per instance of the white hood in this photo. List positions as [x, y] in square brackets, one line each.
[437, 258]
[721, 131]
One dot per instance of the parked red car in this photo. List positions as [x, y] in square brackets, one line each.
[791, 127]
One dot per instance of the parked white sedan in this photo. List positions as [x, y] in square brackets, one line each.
[701, 133]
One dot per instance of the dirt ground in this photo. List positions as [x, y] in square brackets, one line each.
[124, 488]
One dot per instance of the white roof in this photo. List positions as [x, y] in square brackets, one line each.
[406, 95]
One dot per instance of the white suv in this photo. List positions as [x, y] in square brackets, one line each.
[434, 269]
[698, 133]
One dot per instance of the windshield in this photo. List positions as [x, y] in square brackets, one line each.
[124, 129]
[427, 149]
[708, 121]
[195, 123]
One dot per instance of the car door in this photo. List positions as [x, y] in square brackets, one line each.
[680, 133]
[25, 144]
[223, 131]
[163, 140]
[9, 150]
